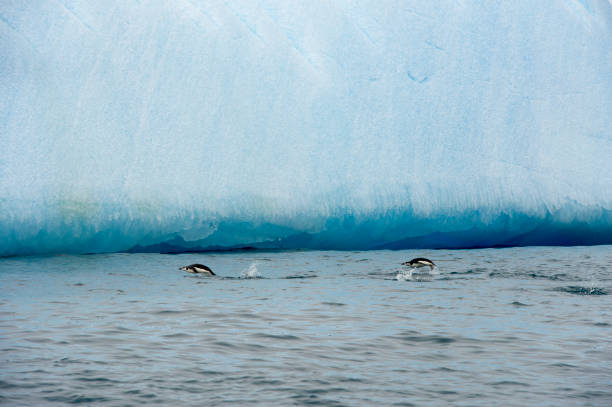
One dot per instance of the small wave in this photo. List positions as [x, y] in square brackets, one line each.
[415, 337]
[64, 361]
[268, 382]
[109, 290]
[224, 344]
[523, 274]
[578, 290]
[7, 385]
[431, 338]
[333, 304]
[509, 383]
[168, 312]
[519, 304]
[177, 335]
[298, 276]
[476, 270]
[77, 399]
[273, 336]
[447, 392]
[205, 372]
[350, 380]
[563, 365]
[39, 340]
[96, 380]
[445, 369]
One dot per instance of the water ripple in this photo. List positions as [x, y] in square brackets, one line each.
[483, 331]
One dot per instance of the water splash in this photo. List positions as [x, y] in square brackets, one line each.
[417, 274]
[579, 290]
[251, 272]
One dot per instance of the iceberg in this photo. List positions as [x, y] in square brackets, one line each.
[206, 125]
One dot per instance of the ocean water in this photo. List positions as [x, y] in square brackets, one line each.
[514, 327]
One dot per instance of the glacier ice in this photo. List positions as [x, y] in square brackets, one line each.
[192, 124]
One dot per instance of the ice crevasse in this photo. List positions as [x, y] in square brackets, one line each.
[203, 124]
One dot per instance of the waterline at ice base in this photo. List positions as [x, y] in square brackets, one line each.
[196, 125]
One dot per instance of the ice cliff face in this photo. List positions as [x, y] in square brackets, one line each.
[342, 124]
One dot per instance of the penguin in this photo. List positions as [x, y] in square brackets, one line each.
[420, 262]
[198, 269]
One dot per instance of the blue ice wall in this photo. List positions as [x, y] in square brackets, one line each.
[327, 124]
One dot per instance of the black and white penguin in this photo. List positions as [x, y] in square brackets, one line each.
[420, 262]
[198, 269]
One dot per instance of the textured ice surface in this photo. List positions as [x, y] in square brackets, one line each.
[344, 124]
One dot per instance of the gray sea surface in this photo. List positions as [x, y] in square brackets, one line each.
[509, 327]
